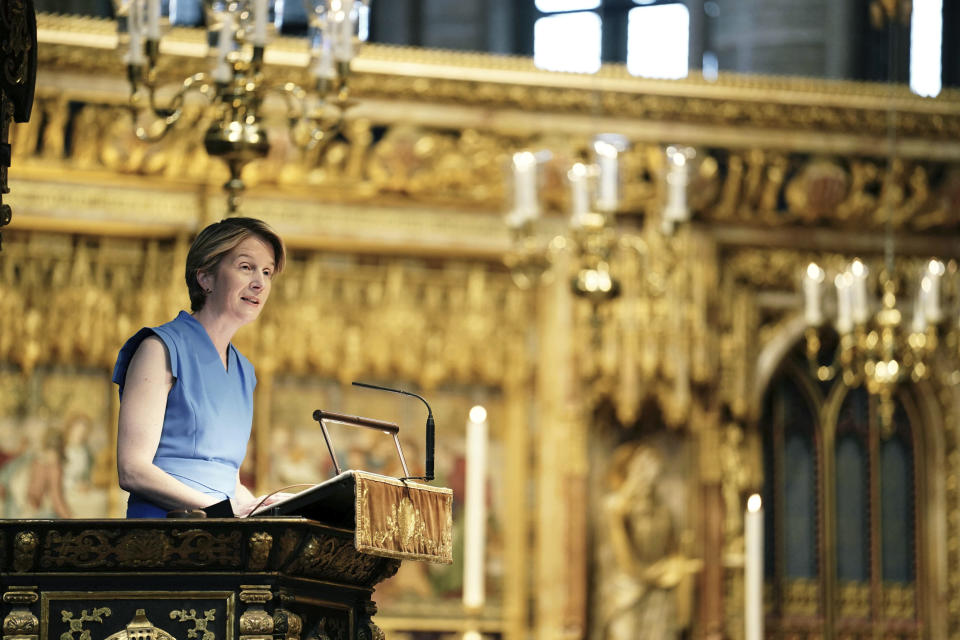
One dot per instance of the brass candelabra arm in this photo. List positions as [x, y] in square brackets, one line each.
[168, 116]
[312, 127]
[528, 260]
[593, 278]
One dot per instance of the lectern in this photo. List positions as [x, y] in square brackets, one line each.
[305, 574]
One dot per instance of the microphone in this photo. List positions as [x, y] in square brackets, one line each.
[430, 426]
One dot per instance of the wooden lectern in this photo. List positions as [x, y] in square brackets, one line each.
[305, 574]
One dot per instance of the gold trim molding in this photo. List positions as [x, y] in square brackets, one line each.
[77, 44]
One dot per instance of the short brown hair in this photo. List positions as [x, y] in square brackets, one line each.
[219, 239]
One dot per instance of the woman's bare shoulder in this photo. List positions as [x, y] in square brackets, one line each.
[151, 355]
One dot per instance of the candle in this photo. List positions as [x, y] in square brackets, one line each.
[579, 195]
[525, 205]
[931, 280]
[322, 67]
[844, 283]
[223, 70]
[918, 323]
[153, 20]
[135, 55]
[608, 167]
[677, 180]
[475, 517]
[260, 23]
[753, 569]
[341, 31]
[811, 295]
[859, 309]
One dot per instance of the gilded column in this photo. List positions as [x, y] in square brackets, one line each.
[516, 549]
[255, 622]
[21, 623]
[555, 559]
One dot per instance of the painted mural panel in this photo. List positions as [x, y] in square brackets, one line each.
[56, 454]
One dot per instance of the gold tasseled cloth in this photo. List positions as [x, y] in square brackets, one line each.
[403, 519]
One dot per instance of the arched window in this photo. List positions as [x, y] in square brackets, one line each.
[841, 519]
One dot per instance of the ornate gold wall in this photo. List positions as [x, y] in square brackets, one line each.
[397, 275]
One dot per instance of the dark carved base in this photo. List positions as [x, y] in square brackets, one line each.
[252, 579]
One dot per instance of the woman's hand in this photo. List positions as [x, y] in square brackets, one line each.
[244, 509]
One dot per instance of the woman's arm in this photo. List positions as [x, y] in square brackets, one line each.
[243, 499]
[144, 403]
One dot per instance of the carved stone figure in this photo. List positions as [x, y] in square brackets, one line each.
[644, 593]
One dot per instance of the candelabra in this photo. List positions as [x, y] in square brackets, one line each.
[881, 343]
[594, 203]
[235, 86]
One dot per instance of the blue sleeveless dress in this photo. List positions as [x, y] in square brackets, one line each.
[209, 411]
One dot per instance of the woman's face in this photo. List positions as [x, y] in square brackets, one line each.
[241, 283]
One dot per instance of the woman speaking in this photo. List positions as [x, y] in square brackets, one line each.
[186, 393]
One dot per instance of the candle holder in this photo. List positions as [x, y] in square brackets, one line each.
[592, 235]
[880, 344]
[235, 87]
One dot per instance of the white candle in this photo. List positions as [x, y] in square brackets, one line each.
[932, 310]
[677, 180]
[135, 55]
[524, 189]
[260, 23]
[918, 324]
[753, 569]
[342, 27]
[579, 195]
[475, 510]
[153, 19]
[844, 283]
[811, 295]
[859, 309]
[223, 72]
[608, 167]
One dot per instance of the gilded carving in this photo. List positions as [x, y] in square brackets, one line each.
[429, 165]
[140, 628]
[76, 625]
[24, 551]
[259, 549]
[801, 597]
[854, 599]
[288, 542]
[255, 622]
[899, 601]
[17, 44]
[448, 77]
[286, 624]
[659, 339]
[199, 624]
[112, 288]
[328, 628]
[368, 629]
[952, 500]
[20, 595]
[94, 548]
[20, 623]
[334, 558]
[255, 594]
